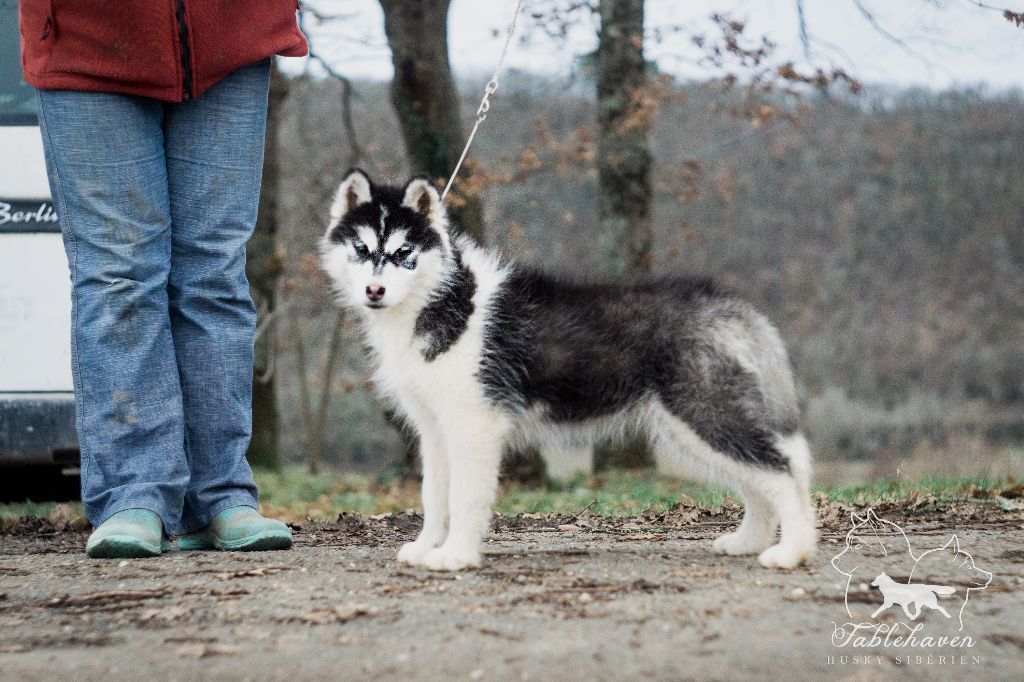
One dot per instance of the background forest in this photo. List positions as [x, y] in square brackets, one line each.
[882, 229]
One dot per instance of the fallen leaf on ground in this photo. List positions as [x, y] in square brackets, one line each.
[1007, 504]
[655, 537]
[1000, 638]
[497, 633]
[11, 570]
[168, 613]
[206, 650]
[107, 597]
[252, 572]
[339, 614]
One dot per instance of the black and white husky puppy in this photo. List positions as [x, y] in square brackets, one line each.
[476, 353]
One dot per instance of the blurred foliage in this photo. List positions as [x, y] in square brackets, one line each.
[883, 233]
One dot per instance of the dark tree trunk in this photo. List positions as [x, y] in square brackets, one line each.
[425, 99]
[623, 150]
[263, 267]
[426, 103]
[623, 170]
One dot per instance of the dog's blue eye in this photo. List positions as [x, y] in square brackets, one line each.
[361, 249]
[405, 257]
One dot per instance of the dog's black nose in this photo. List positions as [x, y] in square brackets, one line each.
[374, 292]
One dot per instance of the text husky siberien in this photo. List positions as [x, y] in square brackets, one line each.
[475, 353]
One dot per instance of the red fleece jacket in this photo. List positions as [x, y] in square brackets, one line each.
[170, 50]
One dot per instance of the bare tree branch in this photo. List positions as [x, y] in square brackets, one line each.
[885, 33]
[805, 38]
[325, 18]
[348, 91]
[305, 394]
[333, 352]
[316, 421]
[1016, 18]
[355, 149]
[1009, 14]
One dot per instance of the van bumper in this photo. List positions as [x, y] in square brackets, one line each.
[38, 428]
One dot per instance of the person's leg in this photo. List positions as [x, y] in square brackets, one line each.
[105, 158]
[214, 148]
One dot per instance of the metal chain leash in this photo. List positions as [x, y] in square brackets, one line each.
[485, 103]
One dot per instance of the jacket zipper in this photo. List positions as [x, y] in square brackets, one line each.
[186, 52]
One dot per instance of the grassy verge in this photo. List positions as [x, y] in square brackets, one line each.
[60, 514]
[618, 493]
[295, 495]
[938, 487]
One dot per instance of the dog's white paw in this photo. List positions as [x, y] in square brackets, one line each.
[784, 556]
[739, 543]
[446, 558]
[413, 552]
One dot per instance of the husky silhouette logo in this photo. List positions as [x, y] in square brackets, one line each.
[882, 570]
[909, 596]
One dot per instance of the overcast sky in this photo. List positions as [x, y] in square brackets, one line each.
[951, 42]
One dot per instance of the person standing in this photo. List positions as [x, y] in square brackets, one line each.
[153, 118]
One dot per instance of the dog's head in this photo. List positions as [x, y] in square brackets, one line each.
[880, 580]
[386, 245]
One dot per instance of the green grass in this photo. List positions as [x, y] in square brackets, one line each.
[295, 495]
[328, 494]
[59, 512]
[938, 487]
[615, 493]
[618, 493]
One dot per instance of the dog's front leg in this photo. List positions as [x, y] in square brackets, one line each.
[474, 456]
[434, 496]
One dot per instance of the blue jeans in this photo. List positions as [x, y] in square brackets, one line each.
[156, 202]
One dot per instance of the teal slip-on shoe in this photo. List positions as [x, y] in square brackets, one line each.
[240, 529]
[128, 534]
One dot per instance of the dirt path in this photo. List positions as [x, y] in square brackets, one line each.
[603, 599]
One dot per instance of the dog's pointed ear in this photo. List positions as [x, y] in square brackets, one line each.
[355, 189]
[421, 196]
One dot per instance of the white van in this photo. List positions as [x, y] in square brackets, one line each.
[37, 416]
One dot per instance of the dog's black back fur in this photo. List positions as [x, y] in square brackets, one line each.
[587, 351]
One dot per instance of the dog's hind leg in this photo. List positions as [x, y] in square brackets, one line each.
[789, 493]
[756, 531]
[772, 493]
[474, 444]
[434, 495]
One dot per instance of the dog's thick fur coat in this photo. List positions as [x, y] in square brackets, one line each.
[476, 354]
